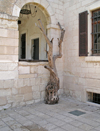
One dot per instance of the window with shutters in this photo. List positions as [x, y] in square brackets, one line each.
[96, 32]
[93, 32]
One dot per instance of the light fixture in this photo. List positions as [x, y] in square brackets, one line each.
[28, 9]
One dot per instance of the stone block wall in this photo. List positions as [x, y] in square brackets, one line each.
[24, 83]
[28, 88]
[8, 47]
[81, 74]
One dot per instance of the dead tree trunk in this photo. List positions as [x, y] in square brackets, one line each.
[52, 87]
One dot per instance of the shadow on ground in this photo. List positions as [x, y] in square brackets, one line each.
[34, 127]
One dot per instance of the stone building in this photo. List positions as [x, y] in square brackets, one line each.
[22, 78]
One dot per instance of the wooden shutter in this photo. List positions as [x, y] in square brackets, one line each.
[83, 33]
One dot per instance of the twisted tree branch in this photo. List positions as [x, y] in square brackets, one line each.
[44, 33]
[53, 84]
[60, 43]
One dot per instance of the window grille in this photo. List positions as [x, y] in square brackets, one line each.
[96, 32]
[94, 97]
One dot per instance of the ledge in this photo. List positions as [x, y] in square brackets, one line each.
[8, 17]
[95, 90]
[92, 59]
[32, 63]
[27, 60]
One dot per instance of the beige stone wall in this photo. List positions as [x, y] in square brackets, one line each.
[6, 6]
[81, 74]
[24, 83]
[28, 88]
[8, 47]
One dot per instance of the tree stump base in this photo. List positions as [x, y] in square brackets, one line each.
[51, 96]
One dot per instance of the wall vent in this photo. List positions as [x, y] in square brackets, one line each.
[94, 97]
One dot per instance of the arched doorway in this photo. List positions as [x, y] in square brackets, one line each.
[32, 44]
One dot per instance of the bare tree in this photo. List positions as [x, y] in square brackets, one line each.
[51, 96]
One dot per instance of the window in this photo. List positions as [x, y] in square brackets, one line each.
[35, 49]
[94, 97]
[32, 44]
[23, 46]
[96, 32]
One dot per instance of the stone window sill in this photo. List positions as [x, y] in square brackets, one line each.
[95, 90]
[32, 62]
[92, 59]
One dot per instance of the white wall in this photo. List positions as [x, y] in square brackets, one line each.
[81, 74]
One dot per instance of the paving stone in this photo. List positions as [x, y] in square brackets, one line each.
[35, 127]
[49, 126]
[33, 118]
[57, 129]
[45, 116]
[21, 129]
[51, 119]
[93, 130]
[68, 127]
[98, 128]
[68, 119]
[9, 123]
[5, 129]
[2, 124]
[85, 127]
[27, 123]
[76, 123]
[89, 122]
[58, 123]
[15, 116]
[15, 126]
[7, 119]
[30, 116]
[42, 117]
[3, 115]
[42, 123]
[23, 113]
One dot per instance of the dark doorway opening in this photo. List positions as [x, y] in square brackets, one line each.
[23, 46]
[35, 48]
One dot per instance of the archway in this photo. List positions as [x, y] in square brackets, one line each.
[43, 5]
[32, 44]
[45, 8]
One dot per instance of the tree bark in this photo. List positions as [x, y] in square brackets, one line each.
[52, 87]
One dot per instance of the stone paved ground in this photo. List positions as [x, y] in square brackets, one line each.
[42, 117]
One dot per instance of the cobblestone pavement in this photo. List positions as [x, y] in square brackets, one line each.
[43, 117]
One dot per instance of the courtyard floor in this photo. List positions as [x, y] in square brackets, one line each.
[67, 115]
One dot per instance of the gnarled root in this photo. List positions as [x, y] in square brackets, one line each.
[51, 96]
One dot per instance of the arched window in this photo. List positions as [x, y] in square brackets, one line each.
[32, 44]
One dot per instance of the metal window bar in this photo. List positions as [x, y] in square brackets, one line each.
[96, 98]
[95, 32]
